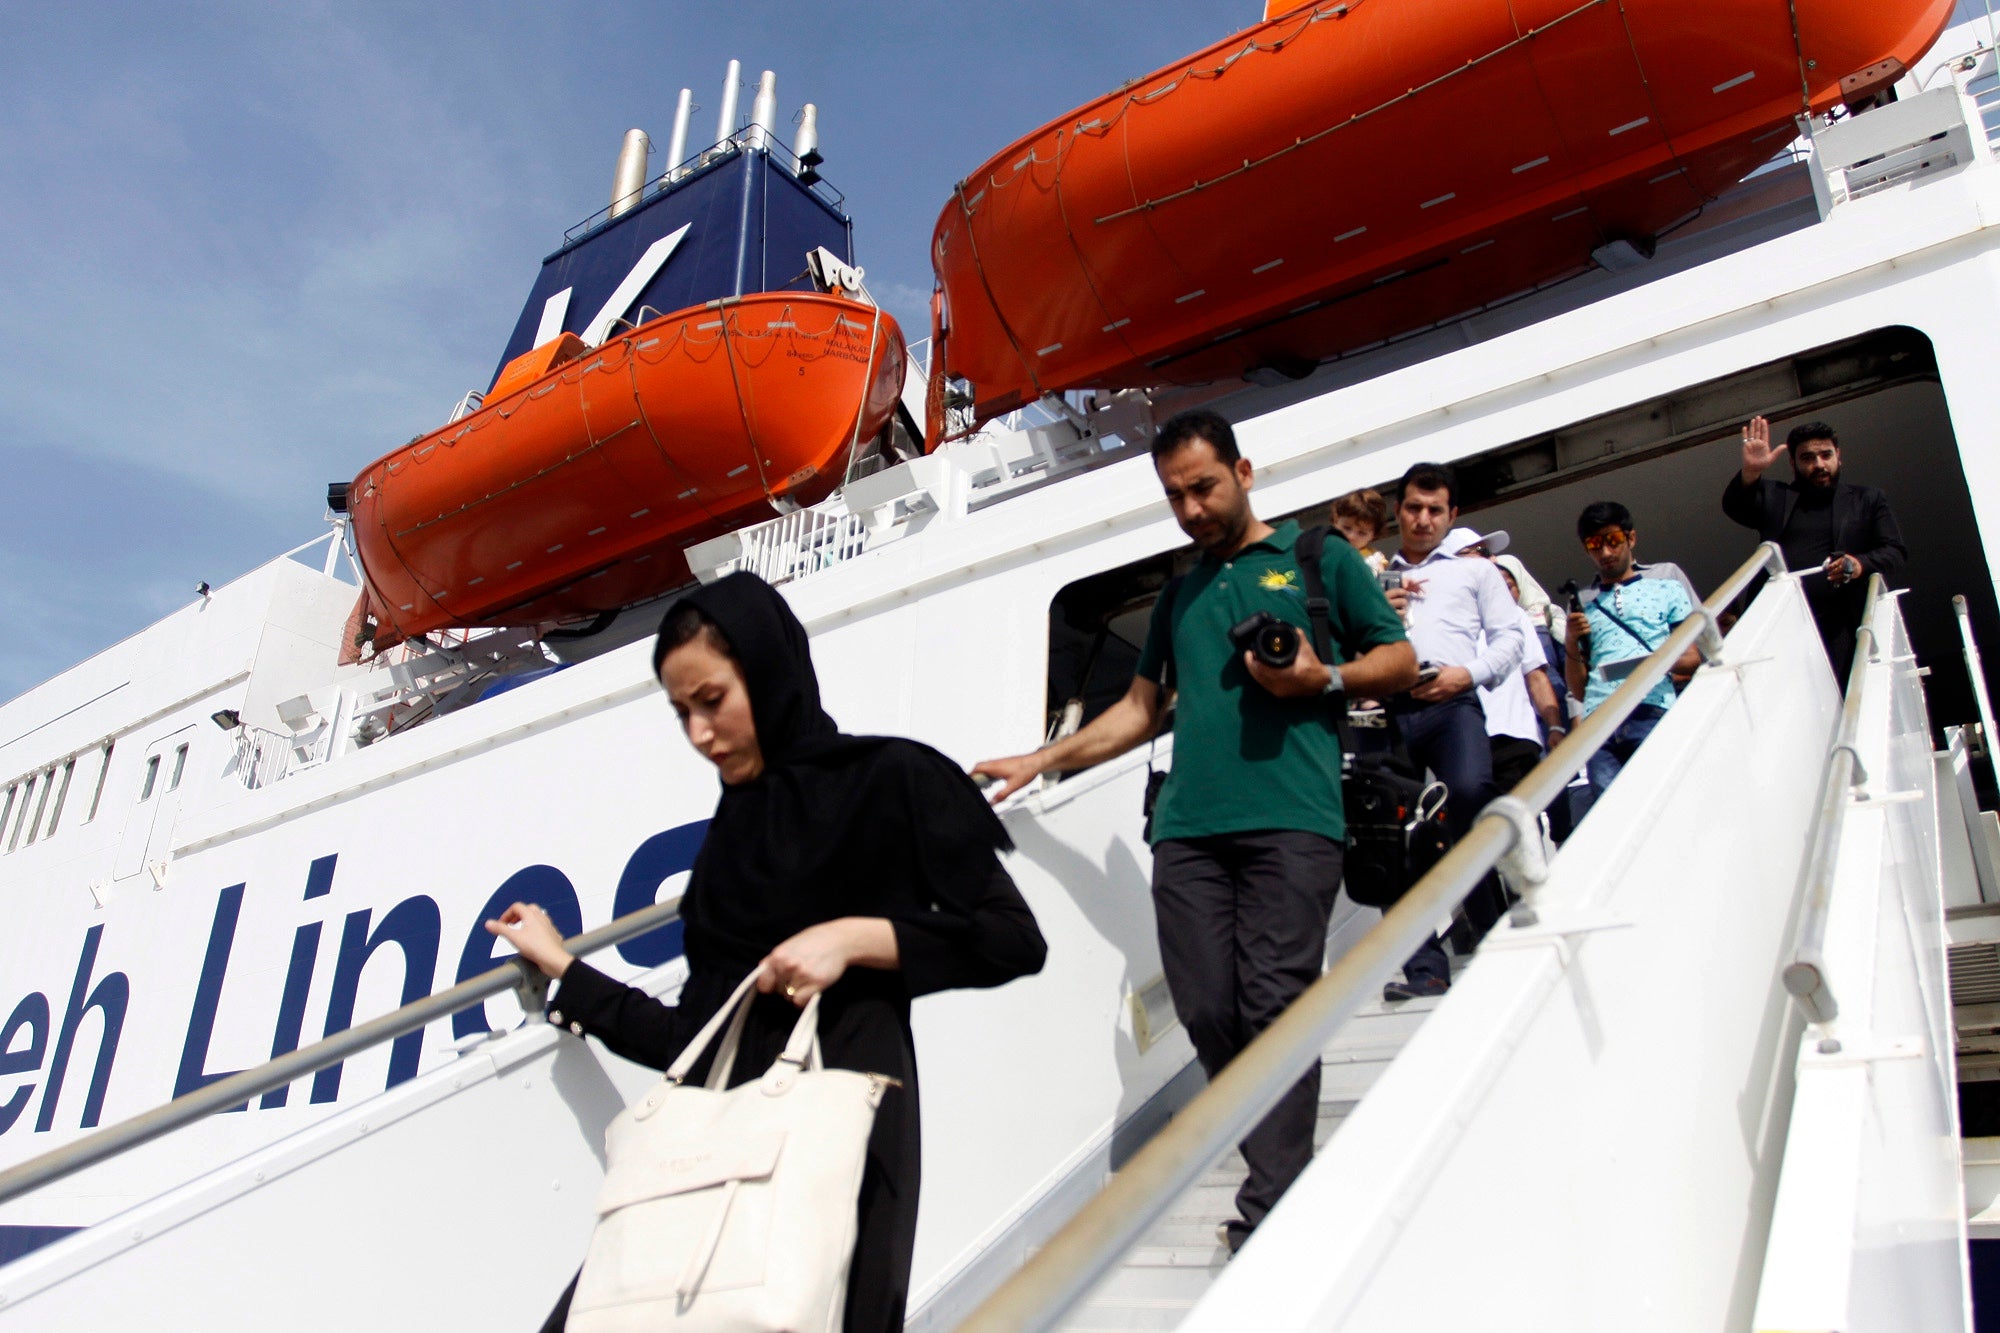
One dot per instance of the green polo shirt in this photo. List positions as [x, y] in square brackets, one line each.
[1244, 759]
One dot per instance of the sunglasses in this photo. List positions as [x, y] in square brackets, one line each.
[1613, 540]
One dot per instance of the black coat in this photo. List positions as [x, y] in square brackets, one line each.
[978, 932]
[833, 826]
[1863, 527]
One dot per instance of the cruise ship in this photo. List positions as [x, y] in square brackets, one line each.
[1734, 1061]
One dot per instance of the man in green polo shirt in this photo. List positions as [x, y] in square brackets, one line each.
[1248, 834]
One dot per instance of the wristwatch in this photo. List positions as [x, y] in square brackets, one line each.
[1334, 685]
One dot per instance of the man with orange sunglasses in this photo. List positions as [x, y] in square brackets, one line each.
[1626, 615]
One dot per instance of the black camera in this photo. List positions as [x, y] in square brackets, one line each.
[1274, 642]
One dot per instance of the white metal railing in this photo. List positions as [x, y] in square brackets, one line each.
[1977, 672]
[513, 974]
[1805, 975]
[473, 400]
[1072, 1262]
[262, 757]
[1868, 1227]
[801, 543]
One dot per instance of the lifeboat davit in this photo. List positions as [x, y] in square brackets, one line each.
[594, 460]
[1345, 173]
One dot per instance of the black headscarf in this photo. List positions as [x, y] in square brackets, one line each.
[835, 825]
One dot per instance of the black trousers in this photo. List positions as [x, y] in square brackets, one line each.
[1242, 921]
[1450, 740]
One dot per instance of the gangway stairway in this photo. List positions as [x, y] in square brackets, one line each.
[1174, 1266]
[1619, 1111]
[1704, 1082]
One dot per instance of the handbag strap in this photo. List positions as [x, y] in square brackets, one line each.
[695, 1049]
[724, 1063]
[802, 1049]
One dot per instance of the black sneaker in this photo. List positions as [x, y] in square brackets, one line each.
[1398, 991]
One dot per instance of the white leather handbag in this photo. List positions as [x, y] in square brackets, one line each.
[731, 1209]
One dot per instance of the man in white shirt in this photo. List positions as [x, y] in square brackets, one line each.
[1524, 708]
[1464, 623]
[1524, 714]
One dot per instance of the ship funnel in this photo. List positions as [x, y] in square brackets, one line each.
[807, 145]
[677, 147]
[630, 180]
[725, 120]
[764, 110]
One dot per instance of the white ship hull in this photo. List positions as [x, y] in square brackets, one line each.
[196, 932]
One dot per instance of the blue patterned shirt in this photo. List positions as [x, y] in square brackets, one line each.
[1651, 606]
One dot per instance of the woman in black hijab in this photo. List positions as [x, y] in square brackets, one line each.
[860, 867]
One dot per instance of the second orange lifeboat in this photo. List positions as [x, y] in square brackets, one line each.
[1346, 173]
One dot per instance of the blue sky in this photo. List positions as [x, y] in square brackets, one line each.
[246, 249]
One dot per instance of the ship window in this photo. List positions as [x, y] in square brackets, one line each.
[62, 795]
[103, 772]
[21, 818]
[180, 766]
[152, 776]
[5, 810]
[1097, 626]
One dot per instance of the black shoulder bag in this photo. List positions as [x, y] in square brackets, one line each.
[1392, 840]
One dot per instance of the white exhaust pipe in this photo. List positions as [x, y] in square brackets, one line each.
[630, 179]
[764, 110]
[807, 145]
[677, 147]
[725, 120]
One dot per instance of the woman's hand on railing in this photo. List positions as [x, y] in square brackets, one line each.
[528, 928]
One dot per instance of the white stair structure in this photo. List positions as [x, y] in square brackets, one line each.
[1173, 1267]
[1619, 1112]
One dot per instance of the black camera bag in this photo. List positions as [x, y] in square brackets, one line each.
[1390, 843]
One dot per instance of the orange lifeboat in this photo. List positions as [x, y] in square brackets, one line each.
[573, 491]
[1346, 173]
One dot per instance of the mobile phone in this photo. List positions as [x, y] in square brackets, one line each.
[1390, 578]
[1427, 672]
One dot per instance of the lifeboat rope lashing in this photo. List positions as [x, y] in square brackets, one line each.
[867, 388]
[683, 478]
[1799, 50]
[1354, 119]
[979, 267]
[1103, 125]
[743, 412]
[1076, 247]
[1652, 103]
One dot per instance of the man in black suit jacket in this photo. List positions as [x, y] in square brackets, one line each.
[1838, 531]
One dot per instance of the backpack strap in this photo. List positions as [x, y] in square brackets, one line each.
[1167, 595]
[1307, 551]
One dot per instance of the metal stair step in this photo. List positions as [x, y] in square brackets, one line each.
[1127, 1314]
[1172, 1266]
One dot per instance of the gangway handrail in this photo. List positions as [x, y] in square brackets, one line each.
[1084, 1250]
[1977, 670]
[514, 974]
[1805, 975]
